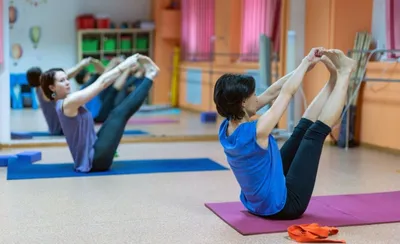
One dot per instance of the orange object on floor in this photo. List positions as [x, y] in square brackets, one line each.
[313, 233]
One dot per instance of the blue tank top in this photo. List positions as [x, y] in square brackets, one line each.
[49, 113]
[258, 171]
[80, 135]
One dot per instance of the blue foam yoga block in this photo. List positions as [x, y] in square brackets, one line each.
[21, 135]
[208, 117]
[6, 159]
[29, 157]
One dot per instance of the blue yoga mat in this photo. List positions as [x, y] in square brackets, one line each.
[17, 171]
[126, 132]
[168, 111]
[29, 135]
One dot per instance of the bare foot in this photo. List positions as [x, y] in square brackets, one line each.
[150, 68]
[121, 80]
[329, 65]
[140, 73]
[342, 63]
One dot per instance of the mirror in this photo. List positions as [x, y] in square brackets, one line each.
[180, 104]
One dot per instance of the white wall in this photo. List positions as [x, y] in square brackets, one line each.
[5, 80]
[57, 46]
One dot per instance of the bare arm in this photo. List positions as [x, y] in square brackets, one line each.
[272, 92]
[98, 66]
[113, 63]
[72, 72]
[268, 120]
[79, 98]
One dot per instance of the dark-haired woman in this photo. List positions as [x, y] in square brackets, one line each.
[47, 106]
[90, 151]
[275, 183]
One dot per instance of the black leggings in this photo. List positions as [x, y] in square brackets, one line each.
[300, 157]
[111, 99]
[111, 132]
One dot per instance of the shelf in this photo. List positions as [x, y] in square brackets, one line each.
[104, 44]
[114, 52]
[113, 31]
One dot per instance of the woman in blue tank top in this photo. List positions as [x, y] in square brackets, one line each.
[93, 151]
[47, 106]
[278, 183]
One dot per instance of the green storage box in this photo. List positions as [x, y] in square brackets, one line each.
[90, 68]
[110, 45]
[126, 44]
[141, 43]
[105, 62]
[90, 45]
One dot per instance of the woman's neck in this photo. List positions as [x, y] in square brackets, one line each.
[236, 123]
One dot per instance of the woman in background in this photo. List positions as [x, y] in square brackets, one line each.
[95, 152]
[47, 106]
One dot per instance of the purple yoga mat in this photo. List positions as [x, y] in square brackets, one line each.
[141, 121]
[336, 211]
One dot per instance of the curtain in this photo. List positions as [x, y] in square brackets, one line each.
[259, 17]
[197, 29]
[393, 26]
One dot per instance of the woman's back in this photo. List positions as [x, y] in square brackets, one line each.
[80, 135]
[49, 113]
[258, 171]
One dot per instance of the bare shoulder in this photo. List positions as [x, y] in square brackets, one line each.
[68, 108]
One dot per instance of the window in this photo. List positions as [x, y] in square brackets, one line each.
[259, 17]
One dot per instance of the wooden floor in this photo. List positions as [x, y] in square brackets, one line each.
[168, 208]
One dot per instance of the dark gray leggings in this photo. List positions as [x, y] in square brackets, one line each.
[112, 130]
[112, 98]
[300, 157]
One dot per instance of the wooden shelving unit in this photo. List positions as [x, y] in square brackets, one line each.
[105, 44]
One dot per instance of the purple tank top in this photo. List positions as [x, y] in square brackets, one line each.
[49, 113]
[80, 135]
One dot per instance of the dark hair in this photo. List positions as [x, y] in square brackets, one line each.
[229, 93]
[81, 76]
[47, 79]
[33, 76]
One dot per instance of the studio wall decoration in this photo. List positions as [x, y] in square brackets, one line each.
[16, 52]
[2, 24]
[12, 14]
[36, 2]
[35, 34]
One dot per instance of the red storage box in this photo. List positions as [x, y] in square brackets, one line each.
[103, 23]
[86, 21]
